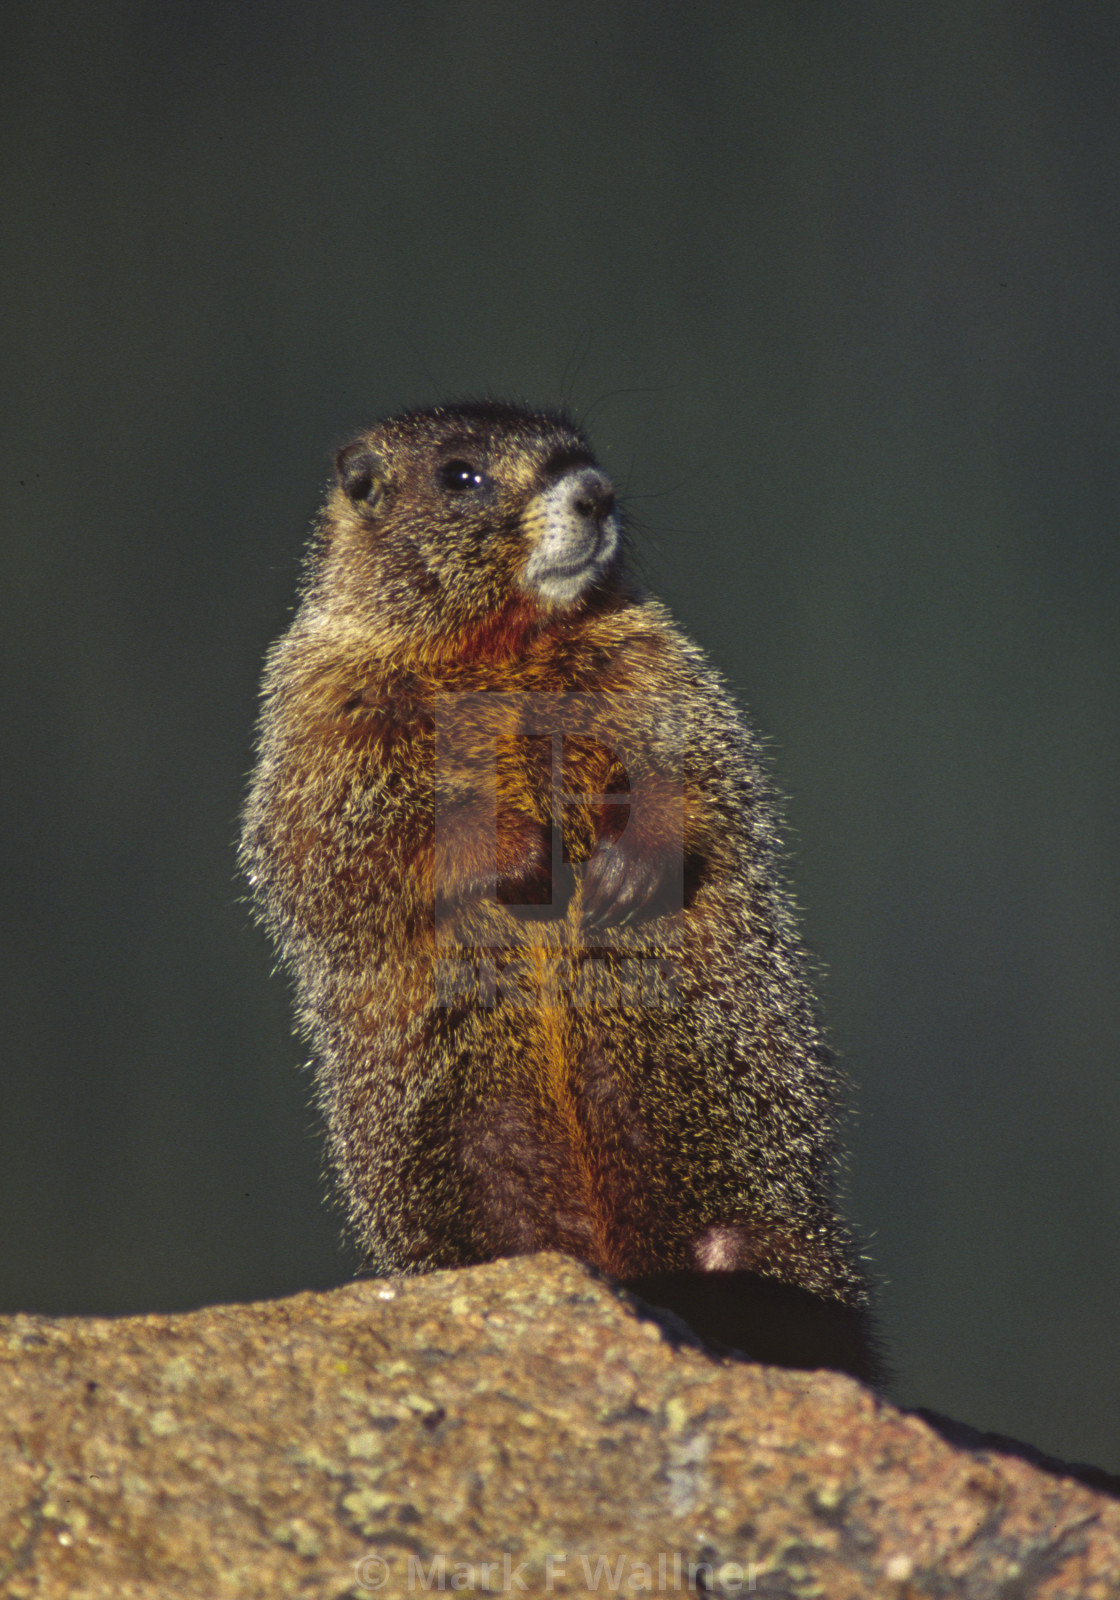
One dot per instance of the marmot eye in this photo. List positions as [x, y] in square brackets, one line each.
[458, 477]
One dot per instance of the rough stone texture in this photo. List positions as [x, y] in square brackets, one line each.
[517, 1427]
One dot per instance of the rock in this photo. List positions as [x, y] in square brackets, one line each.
[520, 1427]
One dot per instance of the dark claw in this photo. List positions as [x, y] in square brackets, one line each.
[618, 886]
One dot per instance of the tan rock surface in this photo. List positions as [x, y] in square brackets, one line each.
[513, 1428]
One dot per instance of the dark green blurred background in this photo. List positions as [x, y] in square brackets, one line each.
[836, 289]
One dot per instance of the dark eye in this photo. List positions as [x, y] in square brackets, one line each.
[460, 477]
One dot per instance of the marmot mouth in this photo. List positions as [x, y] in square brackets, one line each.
[573, 534]
[562, 582]
[572, 569]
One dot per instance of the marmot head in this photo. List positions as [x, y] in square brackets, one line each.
[447, 519]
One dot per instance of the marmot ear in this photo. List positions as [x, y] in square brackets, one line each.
[362, 474]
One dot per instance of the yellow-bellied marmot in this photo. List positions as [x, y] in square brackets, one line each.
[516, 845]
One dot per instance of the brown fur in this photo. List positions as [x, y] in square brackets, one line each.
[465, 950]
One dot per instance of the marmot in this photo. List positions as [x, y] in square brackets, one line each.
[517, 846]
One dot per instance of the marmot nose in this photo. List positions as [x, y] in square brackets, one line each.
[591, 494]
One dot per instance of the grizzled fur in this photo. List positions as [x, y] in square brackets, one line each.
[456, 931]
